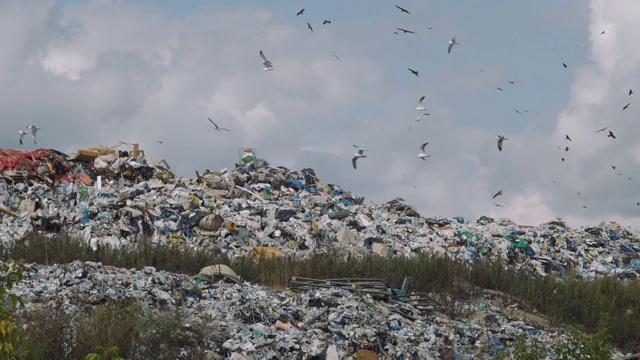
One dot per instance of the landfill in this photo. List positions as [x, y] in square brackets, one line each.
[106, 196]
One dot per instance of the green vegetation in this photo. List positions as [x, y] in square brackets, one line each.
[572, 301]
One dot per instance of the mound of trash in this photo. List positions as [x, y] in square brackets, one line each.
[111, 197]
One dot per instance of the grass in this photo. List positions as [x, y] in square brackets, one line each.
[572, 300]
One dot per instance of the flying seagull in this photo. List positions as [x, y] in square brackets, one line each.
[498, 205]
[517, 111]
[34, 129]
[603, 129]
[501, 89]
[300, 12]
[422, 154]
[511, 82]
[565, 65]
[451, 43]
[626, 106]
[613, 167]
[325, 22]
[336, 56]
[218, 128]
[266, 63]
[611, 135]
[22, 134]
[159, 141]
[420, 106]
[356, 156]
[418, 119]
[497, 194]
[567, 137]
[415, 72]
[630, 92]
[403, 10]
[602, 32]
[566, 148]
[500, 140]
[405, 30]
[309, 26]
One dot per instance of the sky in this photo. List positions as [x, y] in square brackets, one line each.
[97, 72]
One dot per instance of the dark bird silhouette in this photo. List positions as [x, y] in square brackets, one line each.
[630, 92]
[497, 194]
[613, 167]
[584, 206]
[562, 159]
[638, 204]
[300, 12]
[336, 56]
[517, 111]
[159, 141]
[396, 33]
[565, 65]
[403, 10]
[415, 72]
[500, 140]
[498, 205]
[566, 149]
[405, 30]
[309, 26]
[500, 89]
[511, 82]
[625, 107]
[218, 128]
[602, 32]
[611, 135]
[603, 129]
[325, 22]
[567, 137]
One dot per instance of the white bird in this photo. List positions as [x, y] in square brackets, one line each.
[34, 129]
[500, 140]
[22, 134]
[266, 63]
[420, 106]
[451, 43]
[422, 154]
[356, 156]
[218, 128]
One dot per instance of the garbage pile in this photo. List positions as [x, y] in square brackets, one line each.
[116, 198]
[246, 321]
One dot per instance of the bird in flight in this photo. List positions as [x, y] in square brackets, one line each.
[325, 22]
[498, 205]
[420, 106]
[451, 43]
[603, 129]
[336, 56]
[602, 32]
[218, 128]
[497, 194]
[405, 30]
[159, 141]
[356, 156]
[567, 137]
[422, 154]
[22, 134]
[630, 92]
[265, 63]
[415, 72]
[500, 89]
[611, 135]
[309, 26]
[511, 82]
[418, 119]
[300, 12]
[33, 129]
[625, 107]
[565, 65]
[403, 10]
[500, 140]
[517, 111]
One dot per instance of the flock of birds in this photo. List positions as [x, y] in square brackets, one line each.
[360, 153]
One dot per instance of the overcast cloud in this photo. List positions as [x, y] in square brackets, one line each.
[99, 72]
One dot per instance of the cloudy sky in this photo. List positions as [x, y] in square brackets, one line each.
[99, 72]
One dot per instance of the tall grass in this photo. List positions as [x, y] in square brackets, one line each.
[568, 301]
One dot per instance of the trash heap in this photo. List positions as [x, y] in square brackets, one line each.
[116, 198]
